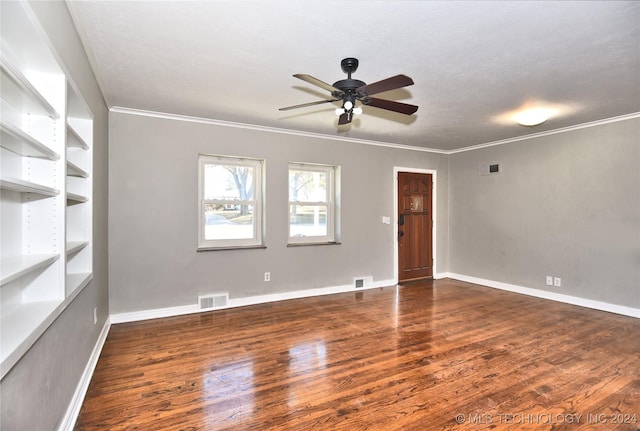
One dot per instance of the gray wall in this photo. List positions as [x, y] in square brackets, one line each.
[154, 209]
[566, 205]
[38, 389]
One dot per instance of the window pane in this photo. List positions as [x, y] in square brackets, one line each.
[307, 186]
[307, 220]
[228, 182]
[230, 193]
[228, 221]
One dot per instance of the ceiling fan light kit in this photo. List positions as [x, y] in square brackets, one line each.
[350, 91]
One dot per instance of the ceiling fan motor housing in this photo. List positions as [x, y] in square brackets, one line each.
[347, 86]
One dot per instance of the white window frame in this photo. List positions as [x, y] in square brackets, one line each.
[332, 204]
[258, 203]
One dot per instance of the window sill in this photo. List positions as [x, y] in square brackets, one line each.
[240, 247]
[305, 244]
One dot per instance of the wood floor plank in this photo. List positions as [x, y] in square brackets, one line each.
[434, 355]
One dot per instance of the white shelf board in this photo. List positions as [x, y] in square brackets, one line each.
[74, 170]
[15, 267]
[73, 198]
[14, 139]
[74, 139]
[21, 327]
[77, 281]
[19, 92]
[76, 246]
[22, 186]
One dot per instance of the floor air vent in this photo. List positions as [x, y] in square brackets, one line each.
[213, 301]
[362, 282]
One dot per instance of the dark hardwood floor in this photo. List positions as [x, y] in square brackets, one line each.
[443, 355]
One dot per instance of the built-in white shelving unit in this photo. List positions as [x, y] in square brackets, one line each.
[45, 185]
[22, 186]
[17, 266]
[23, 144]
[74, 171]
[74, 198]
[79, 144]
[22, 91]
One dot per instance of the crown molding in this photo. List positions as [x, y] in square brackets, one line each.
[548, 132]
[201, 120]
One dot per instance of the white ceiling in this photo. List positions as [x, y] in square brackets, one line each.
[471, 62]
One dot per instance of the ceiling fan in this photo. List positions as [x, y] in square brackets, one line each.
[351, 90]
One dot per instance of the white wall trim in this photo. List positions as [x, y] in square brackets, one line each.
[201, 120]
[73, 410]
[548, 132]
[157, 313]
[559, 297]
[434, 211]
[252, 300]
[187, 118]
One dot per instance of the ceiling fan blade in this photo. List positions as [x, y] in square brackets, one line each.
[390, 105]
[308, 104]
[315, 81]
[392, 83]
[345, 118]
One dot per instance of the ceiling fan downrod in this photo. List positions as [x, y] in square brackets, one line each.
[348, 86]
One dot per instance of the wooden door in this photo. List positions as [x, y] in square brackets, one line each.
[415, 226]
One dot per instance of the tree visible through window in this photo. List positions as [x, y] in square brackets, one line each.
[230, 202]
[311, 203]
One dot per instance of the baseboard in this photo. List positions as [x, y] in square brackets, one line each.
[567, 299]
[71, 415]
[283, 296]
[157, 313]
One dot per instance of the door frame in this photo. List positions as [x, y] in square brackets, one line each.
[434, 200]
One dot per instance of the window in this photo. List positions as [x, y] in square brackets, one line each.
[312, 203]
[230, 207]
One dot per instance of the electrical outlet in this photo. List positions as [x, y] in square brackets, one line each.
[267, 276]
[549, 280]
[557, 281]
[95, 315]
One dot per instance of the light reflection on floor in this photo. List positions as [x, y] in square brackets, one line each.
[229, 392]
[307, 358]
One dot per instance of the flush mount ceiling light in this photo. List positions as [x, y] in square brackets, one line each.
[534, 113]
[533, 116]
